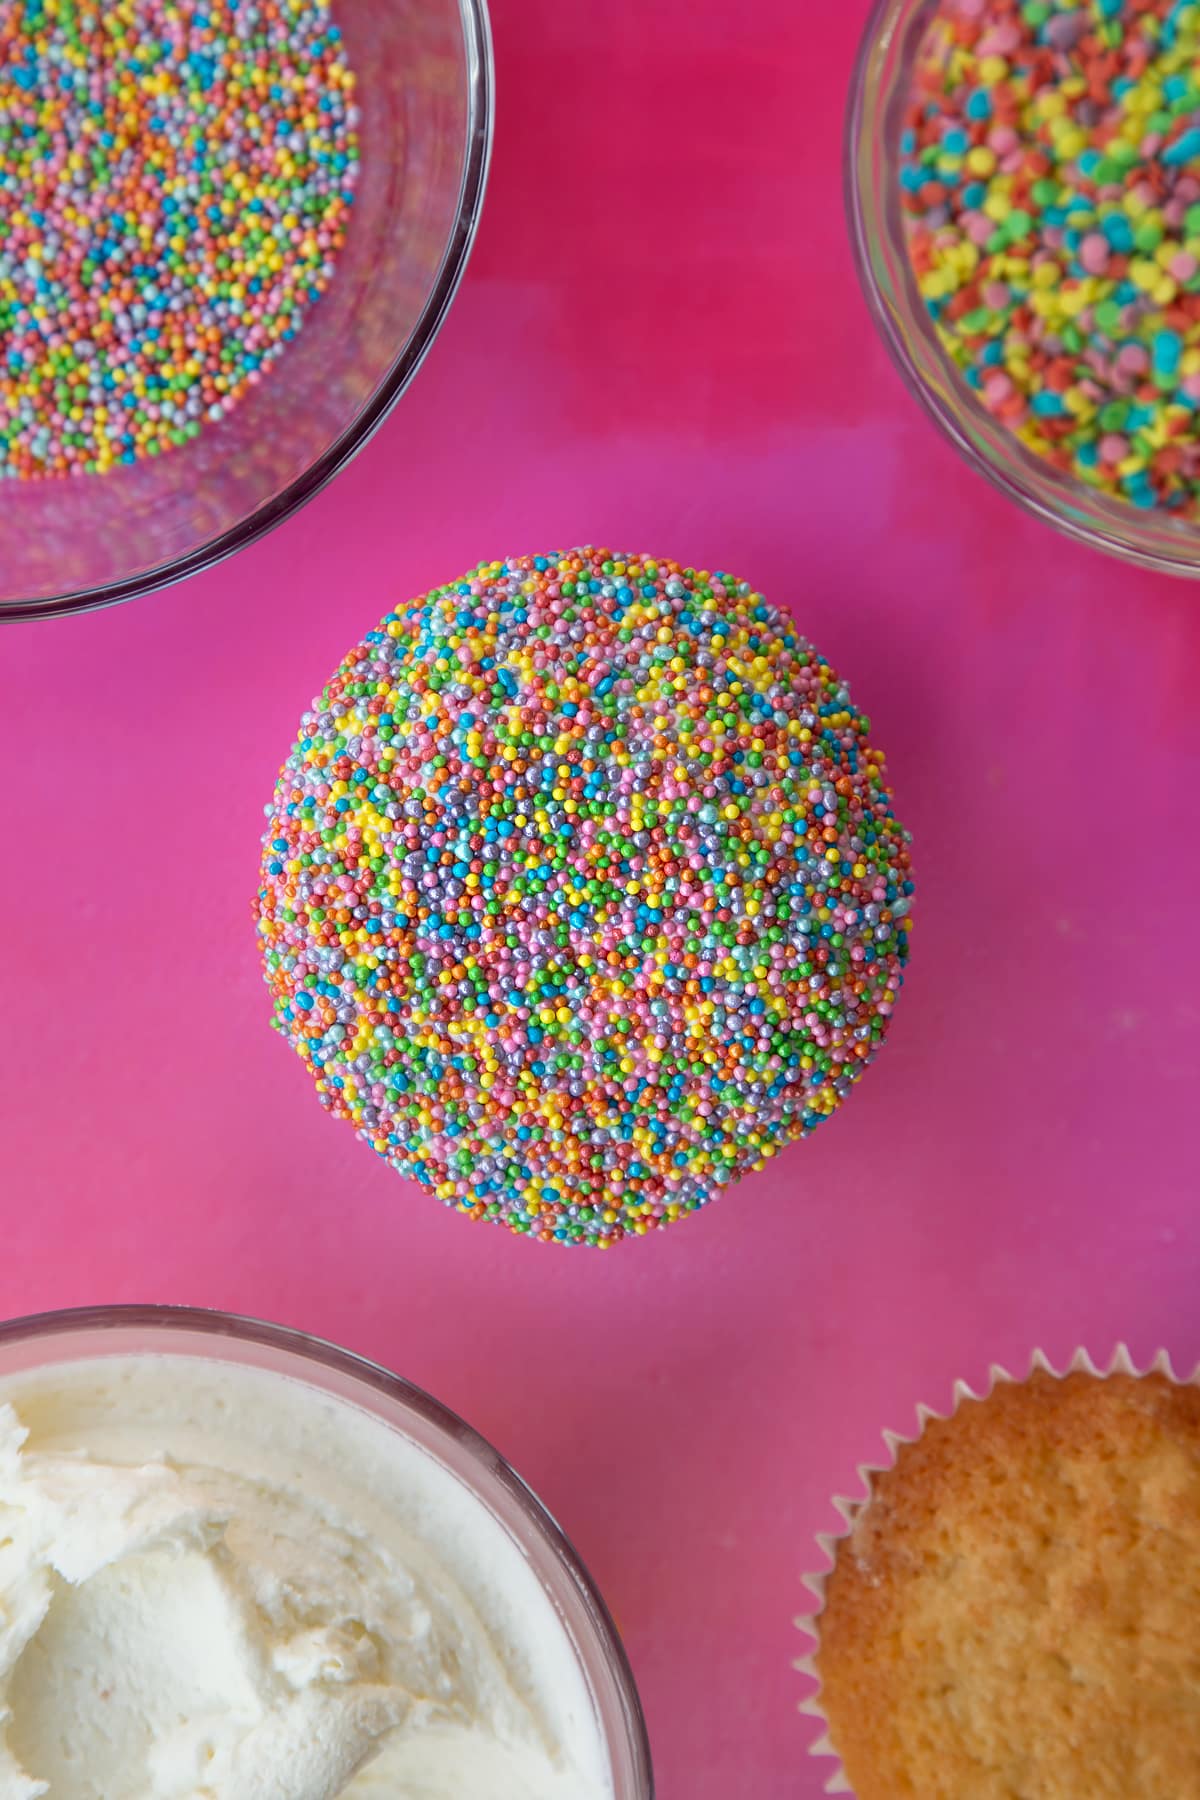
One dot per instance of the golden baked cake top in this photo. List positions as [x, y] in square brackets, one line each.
[1015, 1612]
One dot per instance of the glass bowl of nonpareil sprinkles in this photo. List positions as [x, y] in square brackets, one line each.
[1023, 184]
[582, 892]
[229, 232]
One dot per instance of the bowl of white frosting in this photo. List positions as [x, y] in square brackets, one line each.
[237, 1563]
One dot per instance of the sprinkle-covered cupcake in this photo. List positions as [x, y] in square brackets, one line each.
[1012, 1610]
[582, 892]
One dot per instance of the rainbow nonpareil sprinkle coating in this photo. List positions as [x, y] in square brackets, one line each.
[1050, 179]
[175, 180]
[582, 892]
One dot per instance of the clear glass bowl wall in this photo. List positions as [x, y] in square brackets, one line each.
[425, 94]
[880, 87]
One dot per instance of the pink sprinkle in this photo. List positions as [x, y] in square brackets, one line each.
[1133, 359]
[1001, 41]
[996, 295]
[1094, 253]
[1113, 447]
[1191, 386]
[1183, 266]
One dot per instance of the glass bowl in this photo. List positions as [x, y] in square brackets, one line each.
[879, 90]
[425, 95]
[45, 1339]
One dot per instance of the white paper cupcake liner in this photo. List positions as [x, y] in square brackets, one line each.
[1121, 1363]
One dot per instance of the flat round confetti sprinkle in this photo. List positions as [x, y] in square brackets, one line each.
[582, 893]
[175, 182]
[1050, 182]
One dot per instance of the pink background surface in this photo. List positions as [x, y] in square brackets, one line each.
[659, 346]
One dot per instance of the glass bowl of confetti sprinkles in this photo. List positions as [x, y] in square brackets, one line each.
[229, 233]
[1023, 186]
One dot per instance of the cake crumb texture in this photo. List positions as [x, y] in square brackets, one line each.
[1015, 1613]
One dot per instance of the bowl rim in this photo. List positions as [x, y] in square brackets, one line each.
[1096, 535]
[481, 113]
[361, 1371]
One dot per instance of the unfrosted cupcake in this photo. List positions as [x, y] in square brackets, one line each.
[1013, 1611]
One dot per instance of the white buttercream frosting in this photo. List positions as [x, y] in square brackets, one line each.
[217, 1583]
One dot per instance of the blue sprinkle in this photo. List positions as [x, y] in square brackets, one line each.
[1168, 348]
[1186, 147]
[1119, 232]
